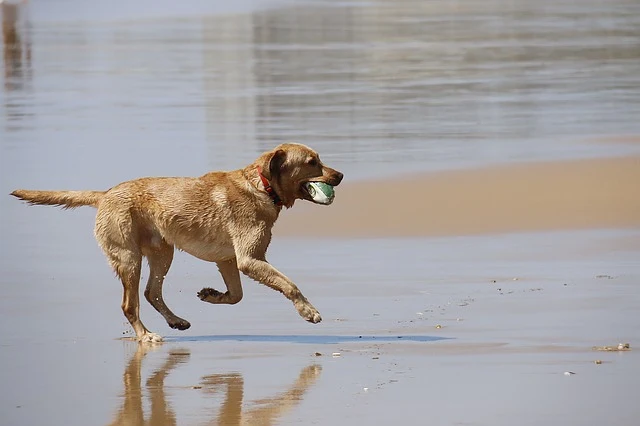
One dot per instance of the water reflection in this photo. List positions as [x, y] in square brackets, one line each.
[393, 79]
[131, 412]
[16, 54]
[233, 410]
[267, 411]
[16, 50]
[404, 81]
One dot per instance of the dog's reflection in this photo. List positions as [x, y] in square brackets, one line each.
[266, 411]
[131, 413]
[232, 412]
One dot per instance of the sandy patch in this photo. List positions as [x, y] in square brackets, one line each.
[582, 194]
[619, 139]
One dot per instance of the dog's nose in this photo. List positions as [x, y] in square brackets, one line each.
[339, 177]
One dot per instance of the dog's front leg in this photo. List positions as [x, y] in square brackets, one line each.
[231, 276]
[264, 273]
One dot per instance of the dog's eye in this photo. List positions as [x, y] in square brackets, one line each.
[312, 162]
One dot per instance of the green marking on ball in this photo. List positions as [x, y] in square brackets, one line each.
[321, 192]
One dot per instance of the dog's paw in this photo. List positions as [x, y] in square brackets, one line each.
[309, 313]
[150, 337]
[208, 293]
[314, 318]
[179, 324]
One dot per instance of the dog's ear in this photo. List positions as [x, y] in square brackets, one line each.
[276, 163]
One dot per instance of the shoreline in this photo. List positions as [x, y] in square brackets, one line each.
[528, 197]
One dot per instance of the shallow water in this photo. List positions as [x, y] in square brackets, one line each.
[97, 93]
[100, 94]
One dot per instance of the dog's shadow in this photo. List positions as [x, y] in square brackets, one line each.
[231, 412]
[315, 339]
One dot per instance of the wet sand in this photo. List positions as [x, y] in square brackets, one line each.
[579, 194]
[489, 323]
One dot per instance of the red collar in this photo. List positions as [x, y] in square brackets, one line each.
[267, 187]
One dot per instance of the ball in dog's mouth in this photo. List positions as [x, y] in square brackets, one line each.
[320, 192]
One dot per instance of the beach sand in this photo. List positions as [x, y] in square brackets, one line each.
[580, 194]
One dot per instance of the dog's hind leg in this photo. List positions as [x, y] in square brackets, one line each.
[160, 257]
[127, 265]
[231, 276]
[116, 236]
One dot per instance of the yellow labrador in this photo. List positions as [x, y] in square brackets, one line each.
[222, 217]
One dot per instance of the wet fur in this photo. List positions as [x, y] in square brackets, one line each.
[222, 217]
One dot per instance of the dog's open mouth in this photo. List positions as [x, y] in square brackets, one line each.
[319, 192]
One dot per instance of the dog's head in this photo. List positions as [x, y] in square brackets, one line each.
[290, 166]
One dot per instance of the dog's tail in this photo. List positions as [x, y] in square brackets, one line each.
[64, 199]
